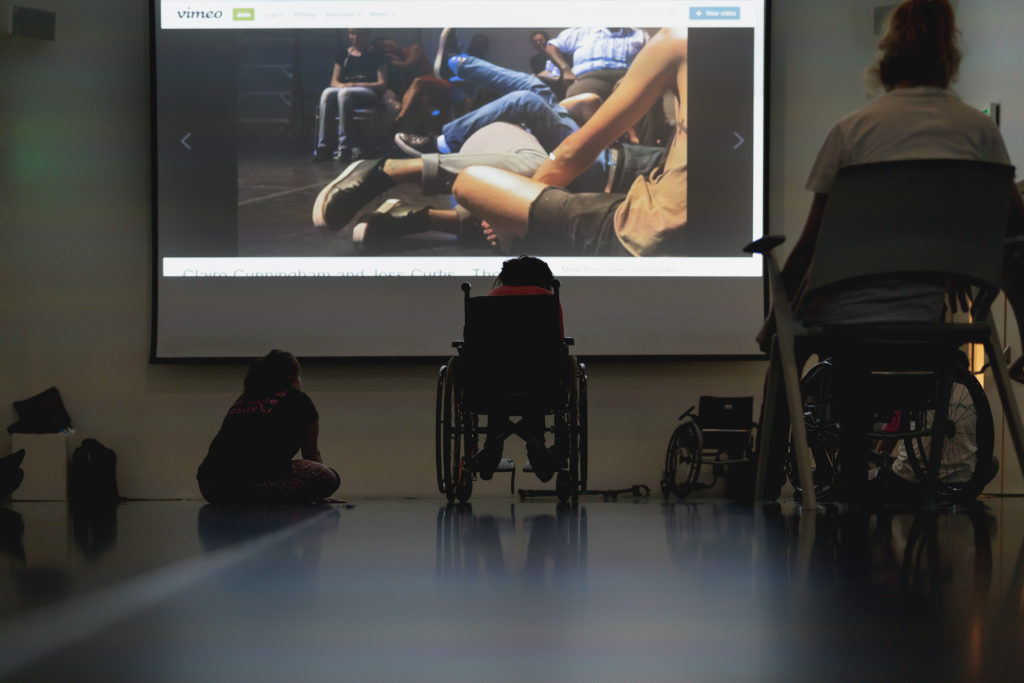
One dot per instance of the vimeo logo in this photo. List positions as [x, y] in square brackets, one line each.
[243, 14]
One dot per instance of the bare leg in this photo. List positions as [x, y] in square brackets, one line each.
[444, 220]
[499, 197]
[404, 170]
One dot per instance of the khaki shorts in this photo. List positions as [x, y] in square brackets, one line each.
[563, 223]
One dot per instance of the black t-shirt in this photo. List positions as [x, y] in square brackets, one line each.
[361, 69]
[260, 435]
[538, 62]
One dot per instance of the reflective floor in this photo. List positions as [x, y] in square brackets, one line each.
[510, 591]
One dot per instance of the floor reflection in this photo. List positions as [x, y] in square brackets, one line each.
[471, 544]
[501, 590]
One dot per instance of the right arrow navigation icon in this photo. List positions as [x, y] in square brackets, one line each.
[739, 140]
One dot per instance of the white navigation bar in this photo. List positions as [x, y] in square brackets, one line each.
[321, 14]
[455, 266]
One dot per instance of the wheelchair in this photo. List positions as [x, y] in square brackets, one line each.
[719, 437]
[903, 424]
[512, 361]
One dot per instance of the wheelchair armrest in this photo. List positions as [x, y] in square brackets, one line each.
[568, 341]
[764, 245]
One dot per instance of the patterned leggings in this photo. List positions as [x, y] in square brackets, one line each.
[306, 482]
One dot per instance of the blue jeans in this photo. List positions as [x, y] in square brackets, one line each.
[525, 100]
[348, 99]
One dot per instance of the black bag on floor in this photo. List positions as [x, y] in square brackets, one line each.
[92, 476]
[44, 413]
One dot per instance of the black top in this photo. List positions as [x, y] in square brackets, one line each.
[260, 435]
[538, 62]
[361, 69]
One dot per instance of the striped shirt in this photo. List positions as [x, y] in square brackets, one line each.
[593, 49]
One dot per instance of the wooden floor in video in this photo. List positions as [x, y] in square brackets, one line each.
[502, 590]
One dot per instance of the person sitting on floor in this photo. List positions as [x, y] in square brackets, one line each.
[250, 458]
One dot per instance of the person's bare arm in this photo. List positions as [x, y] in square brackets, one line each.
[653, 72]
[800, 257]
[415, 52]
[336, 81]
[310, 448]
[796, 264]
[381, 84]
[562, 62]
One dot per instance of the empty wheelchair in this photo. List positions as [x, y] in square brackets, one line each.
[904, 422]
[512, 361]
[718, 439]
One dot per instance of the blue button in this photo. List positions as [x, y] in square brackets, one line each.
[714, 13]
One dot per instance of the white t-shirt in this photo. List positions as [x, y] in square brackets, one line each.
[923, 122]
[907, 123]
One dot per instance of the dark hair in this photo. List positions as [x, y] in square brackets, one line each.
[538, 32]
[479, 45]
[274, 372]
[919, 46]
[525, 270]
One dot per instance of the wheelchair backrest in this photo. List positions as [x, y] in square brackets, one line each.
[926, 220]
[726, 422]
[513, 355]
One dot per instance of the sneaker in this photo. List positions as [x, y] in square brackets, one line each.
[338, 202]
[344, 156]
[544, 465]
[416, 145]
[386, 226]
[487, 459]
[446, 45]
[321, 154]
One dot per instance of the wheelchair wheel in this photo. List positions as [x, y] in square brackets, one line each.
[682, 460]
[567, 430]
[822, 431]
[966, 462]
[581, 383]
[452, 480]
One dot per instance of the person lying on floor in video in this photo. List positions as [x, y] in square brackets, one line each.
[550, 219]
[499, 145]
[522, 99]
[250, 461]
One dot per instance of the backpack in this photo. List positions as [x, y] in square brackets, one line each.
[92, 478]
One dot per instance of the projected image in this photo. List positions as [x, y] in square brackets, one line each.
[596, 142]
[327, 173]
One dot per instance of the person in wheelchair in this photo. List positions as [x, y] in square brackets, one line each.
[519, 276]
[917, 117]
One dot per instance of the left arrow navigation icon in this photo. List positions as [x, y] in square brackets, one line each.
[184, 141]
